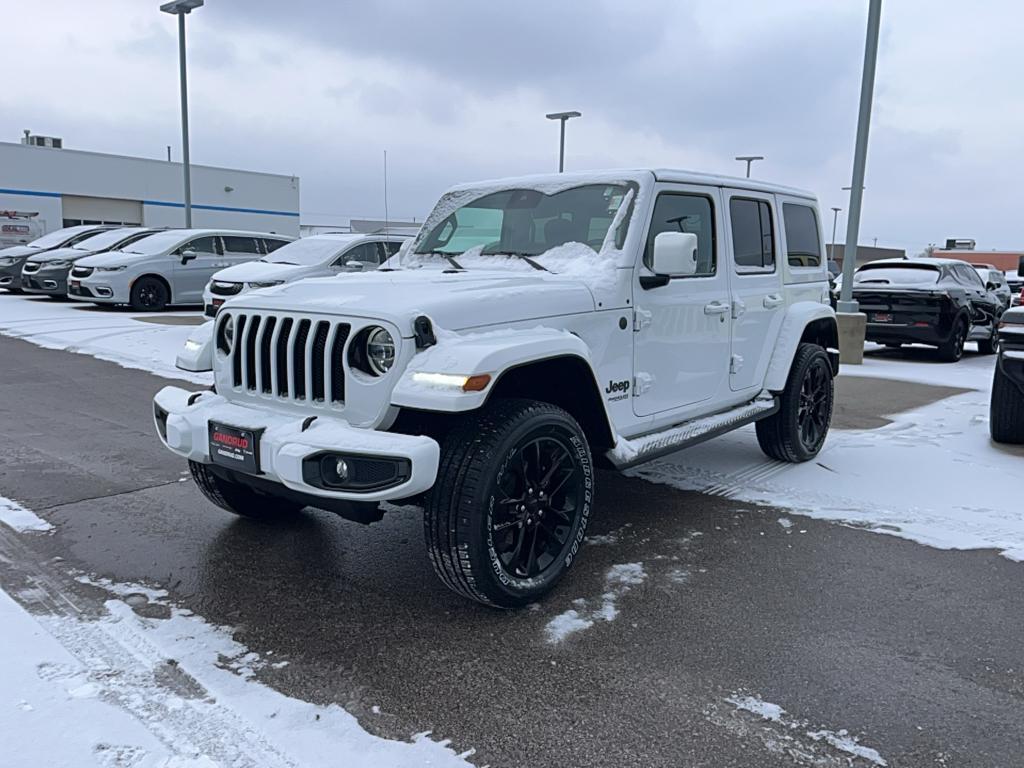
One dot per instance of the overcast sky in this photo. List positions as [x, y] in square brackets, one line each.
[456, 90]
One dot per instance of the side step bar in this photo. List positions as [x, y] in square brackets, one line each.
[630, 452]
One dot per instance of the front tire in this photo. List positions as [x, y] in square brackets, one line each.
[149, 295]
[506, 519]
[240, 499]
[797, 431]
[1006, 410]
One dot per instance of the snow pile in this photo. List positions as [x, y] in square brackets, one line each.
[619, 580]
[170, 690]
[15, 516]
[148, 344]
[787, 735]
[932, 476]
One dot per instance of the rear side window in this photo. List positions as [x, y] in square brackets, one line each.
[968, 276]
[803, 246]
[753, 235]
[270, 245]
[391, 248]
[235, 244]
[676, 212]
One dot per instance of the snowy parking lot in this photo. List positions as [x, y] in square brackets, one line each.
[825, 613]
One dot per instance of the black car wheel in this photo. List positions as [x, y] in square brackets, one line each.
[149, 295]
[508, 514]
[1006, 409]
[952, 349]
[797, 431]
[990, 345]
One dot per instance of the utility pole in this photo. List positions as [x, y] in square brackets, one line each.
[835, 219]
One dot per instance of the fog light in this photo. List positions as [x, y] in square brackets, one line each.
[341, 469]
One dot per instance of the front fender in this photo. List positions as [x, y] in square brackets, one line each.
[798, 317]
[197, 353]
[467, 354]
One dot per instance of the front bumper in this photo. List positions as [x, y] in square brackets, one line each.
[284, 445]
[97, 289]
[48, 282]
[10, 276]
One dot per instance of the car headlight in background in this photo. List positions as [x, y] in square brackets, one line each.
[267, 284]
[112, 269]
[8, 261]
[226, 334]
[380, 350]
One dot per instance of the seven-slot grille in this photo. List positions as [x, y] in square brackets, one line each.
[289, 357]
[81, 271]
[224, 289]
[31, 266]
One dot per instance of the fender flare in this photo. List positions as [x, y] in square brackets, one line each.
[798, 317]
[491, 353]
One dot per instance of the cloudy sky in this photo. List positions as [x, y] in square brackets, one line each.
[457, 90]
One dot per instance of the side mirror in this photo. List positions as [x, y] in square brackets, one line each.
[187, 256]
[355, 266]
[991, 286]
[1020, 267]
[675, 254]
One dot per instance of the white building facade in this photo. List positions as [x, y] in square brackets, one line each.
[66, 187]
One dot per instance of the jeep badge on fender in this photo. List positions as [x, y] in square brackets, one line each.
[467, 374]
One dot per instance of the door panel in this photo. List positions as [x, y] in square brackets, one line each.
[758, 301]
[681, 343]
[190, 279]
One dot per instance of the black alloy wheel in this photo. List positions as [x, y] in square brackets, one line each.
[815, 409]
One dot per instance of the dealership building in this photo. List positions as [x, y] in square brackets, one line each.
[65, 187]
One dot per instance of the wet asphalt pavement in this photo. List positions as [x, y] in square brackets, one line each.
[916, 651]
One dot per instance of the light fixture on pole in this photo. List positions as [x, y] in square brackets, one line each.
[835, 219]
[181, 8]
[562, 117]
[748, 159]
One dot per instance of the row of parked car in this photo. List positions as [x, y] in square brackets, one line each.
[151, 269]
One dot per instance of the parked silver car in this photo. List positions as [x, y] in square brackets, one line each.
[13, 259]
[170, 267]
[314, 256]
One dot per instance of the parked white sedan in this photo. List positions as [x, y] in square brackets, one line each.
[314, 256]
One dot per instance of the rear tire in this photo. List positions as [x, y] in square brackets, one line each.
[507, 517]
[1006, 411]
[990, 345]
[240, 499]
[797, 431]
[149, 295]
[952, 349]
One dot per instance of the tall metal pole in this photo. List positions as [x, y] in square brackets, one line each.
[184, 121]
[835, 219]
[867, 88]
[561, 147]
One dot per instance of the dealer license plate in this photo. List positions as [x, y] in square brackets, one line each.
[881, 317]
[76, 284]
[235, 448]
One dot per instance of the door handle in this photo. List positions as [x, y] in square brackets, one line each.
[716, 308]
[772, 300]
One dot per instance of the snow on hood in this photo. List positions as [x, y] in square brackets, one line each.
[454, 300]
[111, 259]
[262, 272]
[17, 251]
[58, 254]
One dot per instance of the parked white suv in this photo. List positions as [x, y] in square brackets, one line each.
[169, 267]
[314, 256]
[534, 327]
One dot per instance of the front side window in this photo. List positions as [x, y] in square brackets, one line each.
[270, 244]
[753, 236]
[201, 245]
[367, 253]
[528, 222]
[676, 212]
[803, 246]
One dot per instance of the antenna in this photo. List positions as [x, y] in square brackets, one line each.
[386, 192]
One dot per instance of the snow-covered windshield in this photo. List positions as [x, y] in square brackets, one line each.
[52, 240]
[154, 244]
[103, 241]
[528, 222]
[307, 252]
[922, 274]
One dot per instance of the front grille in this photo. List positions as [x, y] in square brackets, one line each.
[31, 266]
[81, 271]
[79, 291]
[225, 289]
[291, 358]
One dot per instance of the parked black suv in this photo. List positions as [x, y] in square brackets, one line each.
[940, 302]
[1006, 416]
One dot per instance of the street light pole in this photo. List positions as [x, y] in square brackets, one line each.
[181, 8]
[835, 219]
[562, 117]
[846, 303]
[748, 159]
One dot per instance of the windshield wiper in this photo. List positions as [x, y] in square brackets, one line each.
[447, 257]
[527, 257]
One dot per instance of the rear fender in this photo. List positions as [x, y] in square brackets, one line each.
[804, 321]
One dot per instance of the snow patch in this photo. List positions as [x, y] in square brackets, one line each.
[15, 516]
[763, 709]
[842, 741]
[619, 580]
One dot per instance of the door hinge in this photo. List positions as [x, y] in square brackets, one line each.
[641, 319]
[738, 308]
[641, 383]
[735, 363]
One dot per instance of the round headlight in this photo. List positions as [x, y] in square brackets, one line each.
[380, 351]
[225, 334]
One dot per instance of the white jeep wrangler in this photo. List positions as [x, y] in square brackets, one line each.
[534, 327]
